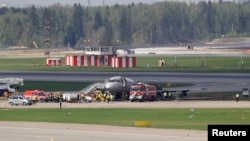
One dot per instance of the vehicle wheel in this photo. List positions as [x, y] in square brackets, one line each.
[142, 100]
[152, 99]
[24, 103]
[11, 103]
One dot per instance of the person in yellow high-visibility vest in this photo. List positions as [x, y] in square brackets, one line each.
[108, 98]
[33, 98]
[111, 97]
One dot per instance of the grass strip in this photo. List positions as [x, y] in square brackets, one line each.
[143, 64]
[193, 119]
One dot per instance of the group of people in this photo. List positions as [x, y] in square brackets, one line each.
[106, 96]
[98, 96]
[161, 63]
[167, 95]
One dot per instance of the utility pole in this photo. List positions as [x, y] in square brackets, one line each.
[46, 38]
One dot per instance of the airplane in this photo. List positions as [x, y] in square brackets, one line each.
[119, 86]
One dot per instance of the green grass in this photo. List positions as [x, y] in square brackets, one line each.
[158, 118]
[143, 63]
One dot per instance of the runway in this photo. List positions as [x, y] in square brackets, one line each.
[208, 82]
[27, 131]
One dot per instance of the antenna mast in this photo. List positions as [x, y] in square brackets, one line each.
[46, 38]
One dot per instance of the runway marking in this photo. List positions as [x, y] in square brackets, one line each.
[44, 137]
[96, 132]
[50, 138]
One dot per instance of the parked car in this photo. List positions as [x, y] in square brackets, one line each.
[19, 100]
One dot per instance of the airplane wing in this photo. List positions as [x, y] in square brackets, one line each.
[182, 91]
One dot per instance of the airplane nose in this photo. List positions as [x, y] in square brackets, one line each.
[107, 86]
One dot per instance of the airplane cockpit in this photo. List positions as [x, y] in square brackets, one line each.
[118, 85]
[113, 80]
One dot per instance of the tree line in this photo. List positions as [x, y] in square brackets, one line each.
[161, 23]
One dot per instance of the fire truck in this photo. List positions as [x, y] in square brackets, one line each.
[39, 95]
[143, 92]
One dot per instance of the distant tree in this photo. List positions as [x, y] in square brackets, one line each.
[34, 19]
[210, 17]
[125, 27]
[3, 10]
[159, 23]
[242, 20]
[34, 26]
[77, 24]
[97, 21]
[70, 38]
[108, 33]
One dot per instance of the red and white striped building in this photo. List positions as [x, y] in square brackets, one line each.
[124, 62]
[96, 56]
[53, 61]
[88, 60]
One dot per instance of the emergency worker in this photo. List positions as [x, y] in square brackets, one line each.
[33, 98]
[108, 98]
[111, 97]
[237, 96]
[164, 94]
[104, 96]
[169, 94]
[81, 97]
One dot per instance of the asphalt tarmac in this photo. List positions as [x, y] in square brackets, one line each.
[157, 104]
[29, 131]
[203, 82]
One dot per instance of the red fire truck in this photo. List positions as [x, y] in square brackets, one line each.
[38, 94]
[142, 92]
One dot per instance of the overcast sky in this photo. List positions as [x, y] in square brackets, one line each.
[22, 3]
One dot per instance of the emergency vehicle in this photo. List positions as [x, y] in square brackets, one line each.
[38, 95]
[10, 86]
[143, 91]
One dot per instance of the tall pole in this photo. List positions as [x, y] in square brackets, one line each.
[46, 38]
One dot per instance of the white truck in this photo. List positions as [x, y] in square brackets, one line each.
[7, 85]
[245, 92]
